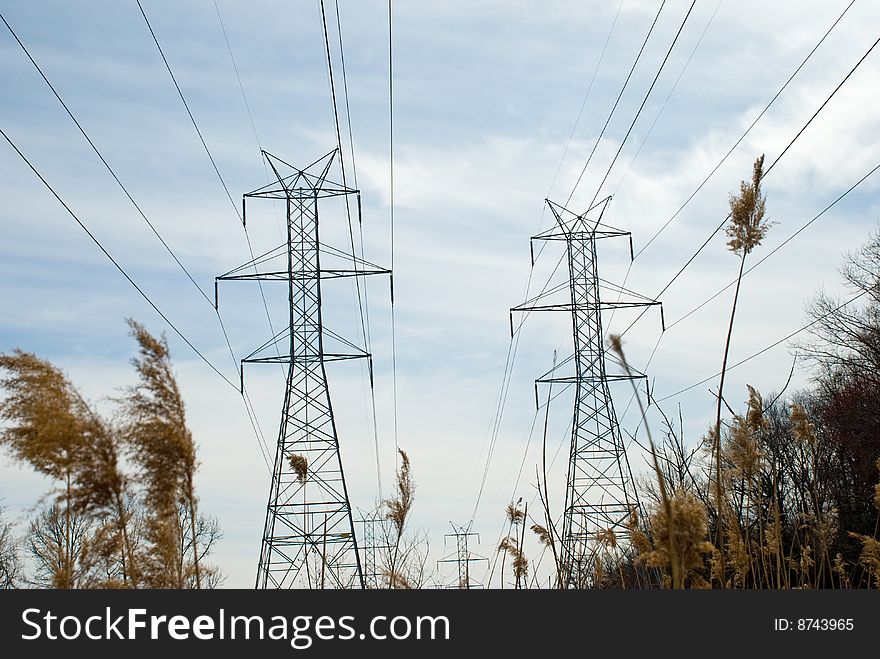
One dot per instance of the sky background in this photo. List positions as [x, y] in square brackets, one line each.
[487, 124]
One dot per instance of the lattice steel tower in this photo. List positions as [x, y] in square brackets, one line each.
[375, 544]
[308, 538]
[463, 557]
[599, 491]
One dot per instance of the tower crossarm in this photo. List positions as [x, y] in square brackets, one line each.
[282, 275]
[597, 306]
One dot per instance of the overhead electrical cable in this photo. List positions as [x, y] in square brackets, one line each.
[254, 422]
[746, 131]
[614, 107]
[362, 300]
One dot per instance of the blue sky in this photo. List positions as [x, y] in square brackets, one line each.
[486, 95]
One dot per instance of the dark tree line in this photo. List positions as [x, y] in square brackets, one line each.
[800, 475]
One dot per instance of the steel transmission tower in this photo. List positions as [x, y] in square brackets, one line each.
[308, 538]
[599, 491]
[374, 545]
[464, 557]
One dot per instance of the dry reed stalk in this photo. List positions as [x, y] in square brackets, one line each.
[746, 230]
[398, 510]
[677, 577]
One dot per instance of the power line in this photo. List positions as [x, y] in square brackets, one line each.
[250, 410]
[782, 153]
[777, 248]
[248, 108]
[347, 106]
[213, 163]
[362, 300]
[614, 107]
[116, 263]
[104, 160]
[188, 111]
[369, 338]
[257, 430]
[726, 155]
[512, 348]
[746, 132]
[770, 347]
[644, 100]
[669, 97]
[342, 165]
[237, 77]
[766, 171]
[586, 97]
[391, 201]
[767, 256]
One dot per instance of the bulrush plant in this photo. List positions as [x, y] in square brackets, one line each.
[51, 427]
[677, 580]
[512, 545]
[161, 445]
[746, 229]
[99, 530]
[397, 510]
[870, 554]
[685, 541]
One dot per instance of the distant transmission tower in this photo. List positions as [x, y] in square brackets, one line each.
[308, 538]
[599, 491]
[374, 546]
[463, 557]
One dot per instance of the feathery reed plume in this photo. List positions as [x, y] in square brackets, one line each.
[396, 580]
[687, 535]
[840, 569]
[542, 533]
[514, 515]
[747, 226]
[162, 446]
[801, 428]
[52, 428]
[47, 421]
[607, 537]
[870, 555]
[511, 547]
[300, 465]
[639, 540]
[398, 508]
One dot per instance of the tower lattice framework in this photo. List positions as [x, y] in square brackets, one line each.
[463, 557]
[599, 494]
[308, 538]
